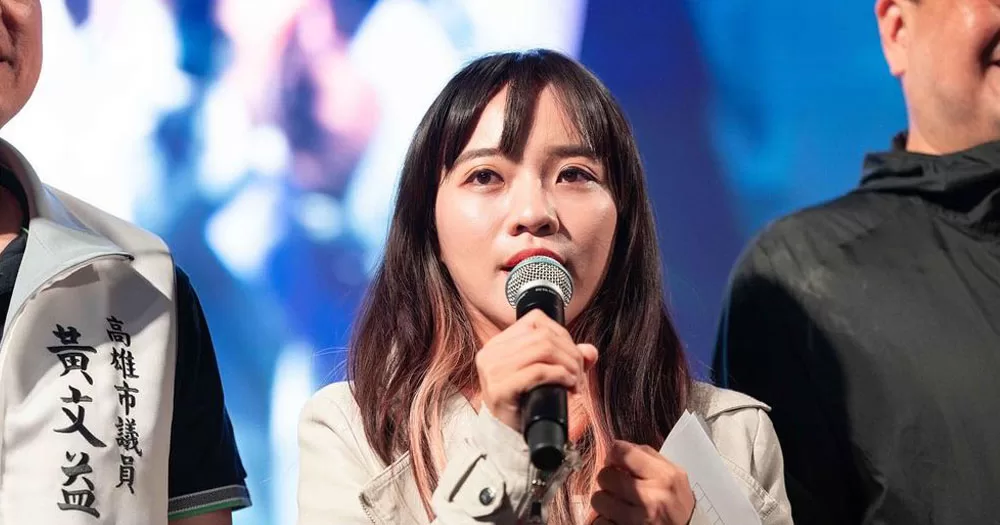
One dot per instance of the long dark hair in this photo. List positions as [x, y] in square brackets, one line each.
[413, 345]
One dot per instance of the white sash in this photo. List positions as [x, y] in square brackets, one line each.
[86, 394]
[86, 367]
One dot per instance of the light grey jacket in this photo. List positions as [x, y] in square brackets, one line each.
[342, 481]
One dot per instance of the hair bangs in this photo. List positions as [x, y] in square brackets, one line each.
[524, 76]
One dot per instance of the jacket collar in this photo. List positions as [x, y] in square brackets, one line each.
[58, 238]
[965, 183]
[710, 402]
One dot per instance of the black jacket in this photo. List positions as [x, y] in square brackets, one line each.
[871, 325]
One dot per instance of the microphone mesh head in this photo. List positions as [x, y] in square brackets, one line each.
[538, 271]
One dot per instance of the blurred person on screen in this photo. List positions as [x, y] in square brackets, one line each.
[291, 88]
[112, 405]
[871, 323]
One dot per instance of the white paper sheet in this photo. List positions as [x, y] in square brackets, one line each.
[720, 500]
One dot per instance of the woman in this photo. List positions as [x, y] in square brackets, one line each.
[521, 154]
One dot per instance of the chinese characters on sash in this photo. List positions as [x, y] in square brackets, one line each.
[128, 433]
[78, 489]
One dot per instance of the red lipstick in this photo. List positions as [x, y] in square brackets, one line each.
[531, 252]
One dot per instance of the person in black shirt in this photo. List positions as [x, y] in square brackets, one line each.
[871, 324]
[206, 477]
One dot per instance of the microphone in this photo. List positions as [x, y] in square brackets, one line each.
[541, 282]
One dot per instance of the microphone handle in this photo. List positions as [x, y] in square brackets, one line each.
[544, 411]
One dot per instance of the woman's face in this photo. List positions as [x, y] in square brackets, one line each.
[493, 211]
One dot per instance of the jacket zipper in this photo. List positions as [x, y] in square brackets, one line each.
[543, 487]
[536, 497]
[365, 506]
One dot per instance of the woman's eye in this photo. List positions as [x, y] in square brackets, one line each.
[572, 175]
[483, 177]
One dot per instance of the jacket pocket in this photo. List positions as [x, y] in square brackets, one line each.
[471, 485]
[760, 498]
